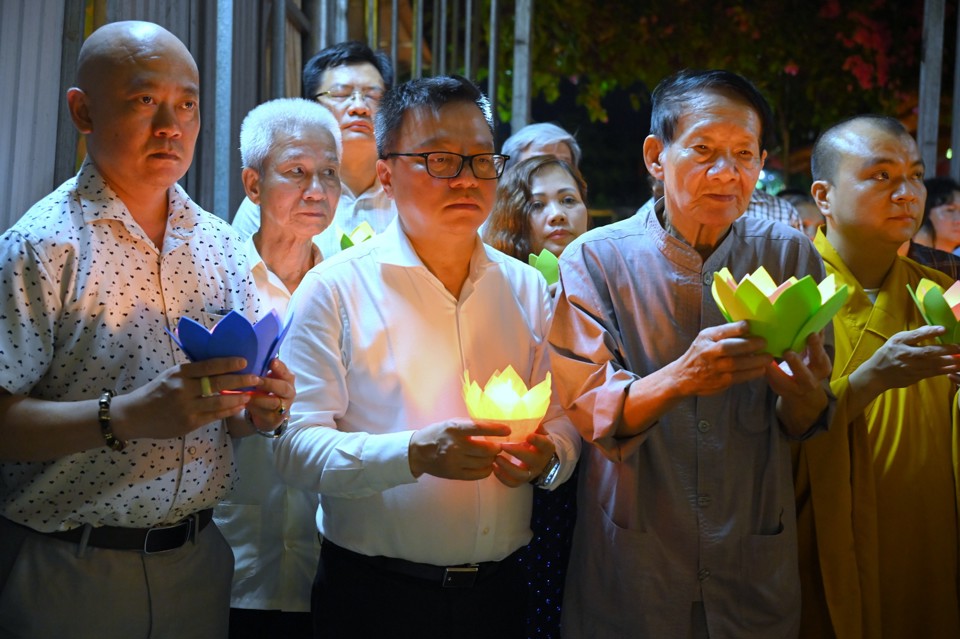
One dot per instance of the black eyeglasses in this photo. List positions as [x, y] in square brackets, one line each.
[446, 165]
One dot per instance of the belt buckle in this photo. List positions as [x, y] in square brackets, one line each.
[158, 546]
[460, 576]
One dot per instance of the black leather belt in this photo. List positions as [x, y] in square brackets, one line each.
[462, 576]
[145, 540]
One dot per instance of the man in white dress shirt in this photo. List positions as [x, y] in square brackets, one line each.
[349, 79]
[421, 514]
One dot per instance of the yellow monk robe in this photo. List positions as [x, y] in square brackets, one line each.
[877, 495]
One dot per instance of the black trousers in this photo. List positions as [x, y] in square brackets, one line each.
[352, 599]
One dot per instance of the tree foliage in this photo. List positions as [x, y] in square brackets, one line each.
[816, 60]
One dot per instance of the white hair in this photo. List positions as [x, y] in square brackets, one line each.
[287, 116]
[540, 134]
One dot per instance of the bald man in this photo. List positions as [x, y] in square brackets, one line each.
[113, 448]
[877, 495]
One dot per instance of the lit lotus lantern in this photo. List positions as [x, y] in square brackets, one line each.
[786, 314]
[547, 264]
[939, 307]
[362, 233]
[506, 400]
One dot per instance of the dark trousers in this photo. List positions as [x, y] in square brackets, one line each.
[269, 624]
[352, 598]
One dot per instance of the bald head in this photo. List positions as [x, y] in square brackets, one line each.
[137, 100]
[121, 43]
[843, 137]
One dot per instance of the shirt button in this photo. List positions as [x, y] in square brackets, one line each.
[703, 426]
[708, 278]
[192, 450]
[486, 531]
[703, 575]
[704, 500]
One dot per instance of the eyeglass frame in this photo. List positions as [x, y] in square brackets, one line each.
[364, 96]
[463, 162]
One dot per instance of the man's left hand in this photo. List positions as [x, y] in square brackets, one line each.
[520, 463]
[803, 395]
[270, 404]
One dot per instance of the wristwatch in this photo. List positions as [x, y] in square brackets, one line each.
[549, 472]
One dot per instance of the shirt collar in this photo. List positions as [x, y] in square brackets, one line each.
[183, 215]
[393, 247]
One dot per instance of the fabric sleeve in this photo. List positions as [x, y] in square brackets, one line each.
[314, 453]
[557, 425]
[591, 379]
[31, 305]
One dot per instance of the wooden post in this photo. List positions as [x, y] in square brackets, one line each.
[928, 122]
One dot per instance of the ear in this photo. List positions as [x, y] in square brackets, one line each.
[763, 159]
[386, 177]
[653, 149]
[251, 184]
[820, 190]
[78, 104]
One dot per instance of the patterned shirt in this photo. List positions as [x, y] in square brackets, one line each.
[86, 297]
[942, 261]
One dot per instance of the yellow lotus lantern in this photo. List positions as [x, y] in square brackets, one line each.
[506, 400]
[785, 314]
[939, 307]
[362, 233]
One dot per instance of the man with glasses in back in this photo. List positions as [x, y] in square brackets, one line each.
[421, 511]
[349, 79]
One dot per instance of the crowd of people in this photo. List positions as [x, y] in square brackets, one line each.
[683, 482]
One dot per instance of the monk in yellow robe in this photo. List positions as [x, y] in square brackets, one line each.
[877, 495]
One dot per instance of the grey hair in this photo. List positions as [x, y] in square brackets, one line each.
[284, 115]
[540, 134]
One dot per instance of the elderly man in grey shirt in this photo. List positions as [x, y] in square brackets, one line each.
[686, 525]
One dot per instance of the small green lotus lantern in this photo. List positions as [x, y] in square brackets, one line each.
[939, 307]
[362, 233]
[784, 315]
[547, 264]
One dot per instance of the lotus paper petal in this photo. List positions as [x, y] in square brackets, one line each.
[505, 399]
[784, 314]
[233, 336]
[547, 264]
[939, 307]
[362, 233]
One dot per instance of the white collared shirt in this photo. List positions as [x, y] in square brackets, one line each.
[379, 348]
[268, 523]
[372, 206]
[87, 297]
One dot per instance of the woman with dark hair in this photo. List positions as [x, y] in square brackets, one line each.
[541, 204]
[940, 228]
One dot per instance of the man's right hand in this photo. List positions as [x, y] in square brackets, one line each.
[718, 358]
[174, 404]
[902, 361]
[454, 449]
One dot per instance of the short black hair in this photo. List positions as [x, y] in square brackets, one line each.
[350, 52]
[825, 157]
[673, 92]
[434, 93]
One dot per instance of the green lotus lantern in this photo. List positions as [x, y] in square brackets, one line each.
[362, 233]
[786, 314]
[939, 307]
[547, 264]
